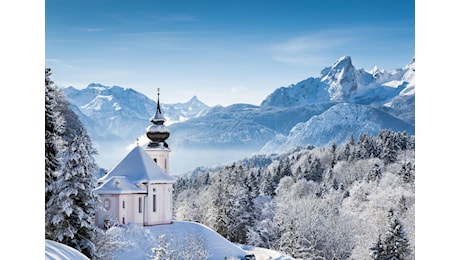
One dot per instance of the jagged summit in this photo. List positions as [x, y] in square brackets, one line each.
[341, 79]
[342, 82]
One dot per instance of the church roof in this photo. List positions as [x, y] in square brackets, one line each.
[118, 185]
[139, 167]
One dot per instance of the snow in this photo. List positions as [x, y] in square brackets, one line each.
[118, 185]
[218, 246]
[138, 167]
[139, 247]
[266, 254]
[98, 103]
[322, 129]
[58, 251]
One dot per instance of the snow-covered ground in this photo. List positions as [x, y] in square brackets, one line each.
[58, 251]
[266, 254]
[178, 236]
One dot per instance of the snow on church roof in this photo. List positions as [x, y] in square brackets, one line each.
[118, 185]
[138, 167]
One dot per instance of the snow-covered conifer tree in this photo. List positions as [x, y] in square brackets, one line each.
[193, 248]
[54, 129]
[394, 244]
[72, 205]
[69, 180]
[163, 249]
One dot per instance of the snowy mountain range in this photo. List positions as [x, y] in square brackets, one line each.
[342, 101]
[115, 117]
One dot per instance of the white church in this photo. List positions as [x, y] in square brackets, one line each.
[139, 188]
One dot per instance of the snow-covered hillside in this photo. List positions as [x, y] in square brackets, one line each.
[182, 240]
[187, 237]
[336, 125]
[59, 251]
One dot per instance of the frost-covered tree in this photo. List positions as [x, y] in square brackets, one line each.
[111, 240]
[394, 245]
[309, 207]
[268, 184]
[193, 248]
[407, 172]
[377, 250]
[54, 130]
[163, 249]
[69, 175]
[375, 174]
[71, 209]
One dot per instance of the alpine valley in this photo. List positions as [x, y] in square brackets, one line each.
[342, 102]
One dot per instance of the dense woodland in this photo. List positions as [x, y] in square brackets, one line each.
[350, 201]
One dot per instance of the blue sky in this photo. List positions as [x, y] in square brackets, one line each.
[224, 52]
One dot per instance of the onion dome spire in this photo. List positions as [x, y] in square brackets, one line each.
[158, 132]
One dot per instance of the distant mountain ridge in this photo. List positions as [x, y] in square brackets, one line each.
[342, 101]
[336, 125]
[343, 83]
[116, 108]
[115, 116]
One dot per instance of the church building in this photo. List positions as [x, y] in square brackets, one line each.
[139, 188]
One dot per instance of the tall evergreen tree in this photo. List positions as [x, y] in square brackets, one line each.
[377, 250]
[394, 245]
[69, 174]
[54, 130]
[71, 209]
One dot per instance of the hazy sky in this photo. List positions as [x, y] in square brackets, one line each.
[224, 52]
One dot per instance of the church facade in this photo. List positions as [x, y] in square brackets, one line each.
[139, 188]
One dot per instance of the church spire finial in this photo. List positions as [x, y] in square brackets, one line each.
[158, 101]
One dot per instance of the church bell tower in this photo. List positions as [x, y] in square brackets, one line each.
[157, 148]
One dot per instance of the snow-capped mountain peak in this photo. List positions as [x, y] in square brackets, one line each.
[409, 75]
[342, 82]
[340, 78]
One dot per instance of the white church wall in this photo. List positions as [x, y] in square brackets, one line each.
[131, 208]
[159, 204]
[110, 205]
[160, 156]
[121, 208]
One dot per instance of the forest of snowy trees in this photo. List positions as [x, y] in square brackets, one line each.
[349, 201]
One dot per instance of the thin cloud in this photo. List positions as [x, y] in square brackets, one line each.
[309, 43]
[238, 89]
[92, 30]
[58, 62]
[150, 19]
[315, 47]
